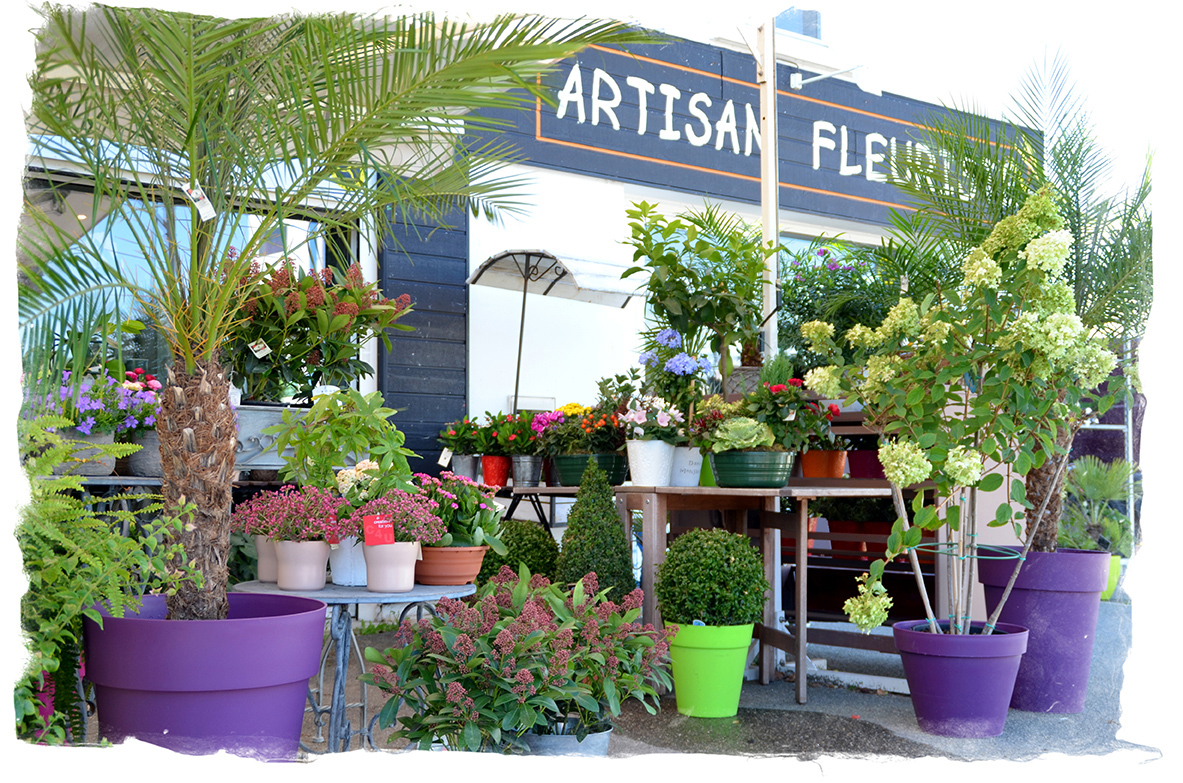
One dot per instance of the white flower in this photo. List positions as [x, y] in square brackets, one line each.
[980, 269]
[824, 381]
[817, 333]
[1048, 252]
[1094, 365]
[863, 337]
[904, 462]
[902, 319]
[964, 466]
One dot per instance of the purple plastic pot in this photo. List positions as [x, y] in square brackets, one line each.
[200, 686]
[960, 684]
[1057, 596]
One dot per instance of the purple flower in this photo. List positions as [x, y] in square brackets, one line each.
[85, 425]
[832, 266]
[669, 338]
[705, 365]
[823, 252]
[649, 358]
[150, 421]
[682, 364]
[130, 422]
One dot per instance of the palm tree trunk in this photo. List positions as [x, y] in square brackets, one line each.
[1047, 481]
[198, 439]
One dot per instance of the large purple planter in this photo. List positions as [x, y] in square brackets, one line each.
[960, 684]
[1057, 596]
[200, 686]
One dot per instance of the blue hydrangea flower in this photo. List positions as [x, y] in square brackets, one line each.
[669, 338]
[705, 365]
[648, 359]
[681, 364]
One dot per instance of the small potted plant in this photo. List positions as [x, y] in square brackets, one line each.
[595, 433]
[394, 526]
[472, 522]
[100, 409]
[460, 438]
[594, 539]
[527, 667]
[823, 454]
[1089, 519]
[490, 441]
[653, 428]
[711, 588]
[519, 439]
[142, 406]
[302, 522]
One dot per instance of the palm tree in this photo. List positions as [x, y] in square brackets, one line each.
[972, 176]
[181, 126]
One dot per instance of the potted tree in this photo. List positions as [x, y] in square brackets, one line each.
[528, 667]
[711, 586]
[1090, 519]
[970, 389]
[184, 152]
[594, 541]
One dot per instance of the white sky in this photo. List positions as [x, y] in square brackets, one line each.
[951, 52]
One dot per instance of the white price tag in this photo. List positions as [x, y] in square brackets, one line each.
[445, 458]
[204, 208]
[259, 349]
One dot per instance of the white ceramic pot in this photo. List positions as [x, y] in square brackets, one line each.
[268, 569]
[302, 564]
[390, 568]
[687, 467]
[347, 563]
[650, 462]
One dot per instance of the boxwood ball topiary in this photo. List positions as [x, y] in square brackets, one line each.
[527, 542]
[594, 539]
[712, 576]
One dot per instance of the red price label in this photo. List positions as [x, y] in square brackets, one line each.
[379, 529]
[333, 538]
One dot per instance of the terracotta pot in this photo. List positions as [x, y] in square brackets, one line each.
[302, 564]
[390, 568]
[495, 470]
[268, 568]
[823, 464]
[449, 565]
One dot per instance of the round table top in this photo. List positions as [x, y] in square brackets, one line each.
[340, 594]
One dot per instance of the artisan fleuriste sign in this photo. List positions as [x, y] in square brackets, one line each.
[686, 116]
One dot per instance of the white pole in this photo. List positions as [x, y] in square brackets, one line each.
[769, 178]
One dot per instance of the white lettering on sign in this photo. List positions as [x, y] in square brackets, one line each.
[847, 169]
[572, 91]
[671, 94]
[600, 77]
[644, 89]
[874, 157]
[691, 136]
[726, 125]
[821, 142]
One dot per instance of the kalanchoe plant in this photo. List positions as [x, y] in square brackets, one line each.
[974, 387]
[470, 515]
[300, 330]
[460, 436]
[415, 517]
[524, 657]
[290, 514]
[516, 435]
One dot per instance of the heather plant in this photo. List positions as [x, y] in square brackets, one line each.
[415, 517]
[972, 388]
[526, 543]
[594, 541]
[523, 656]
[469, 513]
[291, 514]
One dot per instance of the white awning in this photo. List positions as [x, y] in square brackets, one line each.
[549, 275]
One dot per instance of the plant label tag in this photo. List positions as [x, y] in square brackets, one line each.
[379, 529]
[332, 538]
[445, 458]
[204, 208]
[259, 348]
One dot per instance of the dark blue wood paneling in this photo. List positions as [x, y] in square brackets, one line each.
[424, 374]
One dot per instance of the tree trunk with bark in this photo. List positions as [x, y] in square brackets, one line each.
[198, 439]
[1043, 482]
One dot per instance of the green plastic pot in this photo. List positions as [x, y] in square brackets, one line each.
[708, 663]
[752, 469]
[1114, 575]
[570, 467]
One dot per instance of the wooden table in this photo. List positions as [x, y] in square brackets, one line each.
[534, 495]
[341, 638]
[655, 502]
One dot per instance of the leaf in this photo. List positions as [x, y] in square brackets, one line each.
[1002, 515]
[472, 736]
[1018, 491]
[990, 482]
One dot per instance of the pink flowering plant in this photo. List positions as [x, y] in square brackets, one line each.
[794, 419]
[516, 434]
[100, 403]
[469, 513]
[291, 514]
[647, 417]
[523, 656]
[415, 517]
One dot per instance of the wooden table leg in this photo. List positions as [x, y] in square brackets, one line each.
[770, 544]
[653, 541]
[802, 593]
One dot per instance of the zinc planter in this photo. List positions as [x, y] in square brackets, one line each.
[200, 686]
[594, 744]
[268, 566]
[495, 470]
[570, 467]
[390, 568]
[751, 469]
[650, 462]
[347, 563]
[1058, 596]
[449, 565]
[708, 663]
[527, 469]
[302, 564]
[467, 465]
[95, 464]
[961, 684]
[687, 467]
[146, 461]
[255, 449]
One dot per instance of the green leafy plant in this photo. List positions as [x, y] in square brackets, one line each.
[868, 610]
[526, 656]
[711, 576]
[974, 388]
[527, 544]
[1089, 519]
[471, 517]
[75, 559]
[340, 429]
[460, 436]
[797, 423]
[299, 331]
[594, 541]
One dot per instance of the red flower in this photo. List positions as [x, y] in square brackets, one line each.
[834, 411]
[777, 389]
[794, 381]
